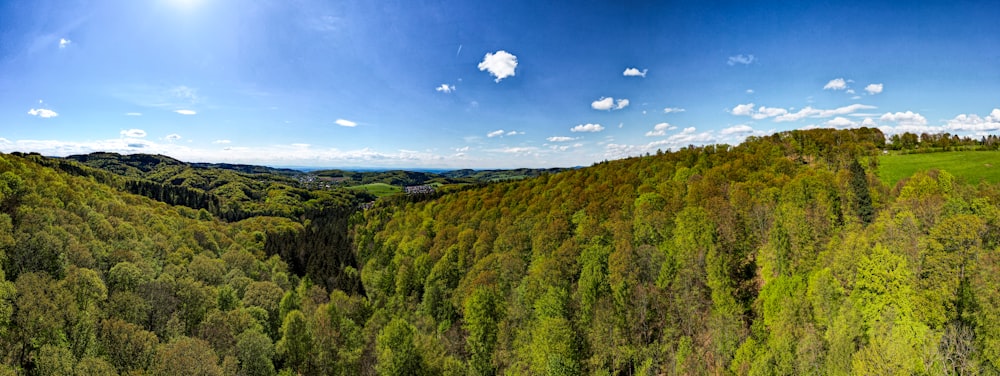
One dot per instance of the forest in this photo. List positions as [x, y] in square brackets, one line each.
[783, 255]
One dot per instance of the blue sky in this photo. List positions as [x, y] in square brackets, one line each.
[460, 84]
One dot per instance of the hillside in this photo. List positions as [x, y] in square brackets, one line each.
[783, 255]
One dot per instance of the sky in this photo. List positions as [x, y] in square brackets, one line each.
[481, 84]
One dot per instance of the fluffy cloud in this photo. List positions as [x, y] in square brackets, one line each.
[560, 139]
[741, 59]
[974, 123]
[836, 84]
[513, 133]
[63, 42]
[743, 109]
[587, 128]
[841, 122]
[346, 123]
[873, 88]
[445, 88]
[605, 103]
[173, 137]
[133, 114]
[635, 72]
[500, 64]
[688, 136]
[781, 114]
[669, 110]
[765, 112]
[42, 113]
[496, 133]
[185, 112]
[660, 130]
[221, 142]
[609, 103]
[749, 91]
[908, 118]
[737, 129]
[133, 133]
[818, 113]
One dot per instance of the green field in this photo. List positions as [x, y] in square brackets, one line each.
[378, 189]
[970, 166]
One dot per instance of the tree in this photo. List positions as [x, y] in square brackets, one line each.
[553, 346]
[296, 342]
[862, 196]
[128, 347]
[187, 356]
[254, 352]
[482, 314]
[396, 352]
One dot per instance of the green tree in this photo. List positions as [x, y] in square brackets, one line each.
[482, 314]
[187, 356]
[255, 352]
[296, 342]
[395, 349]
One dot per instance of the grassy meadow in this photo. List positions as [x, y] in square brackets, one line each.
[970, 166]
[378, 189]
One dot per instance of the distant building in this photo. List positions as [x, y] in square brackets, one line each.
[418, 189]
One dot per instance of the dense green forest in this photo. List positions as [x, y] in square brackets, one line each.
[783, 255]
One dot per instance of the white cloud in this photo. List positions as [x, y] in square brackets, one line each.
[841, 122]
[42, 113]
[587, 128]
[518, 150]
[836, 84]
[781, 114]
[222, 142]
[173, 137]
[868, 122]
[660, 130]
[345, 123]
[633, 72]
[850, 91]
[672, 110]
[605, 103]
[743, 109]
[908, 118]
[621, 103]
[737, 129]
[133, 114]
[500, 64]
[609, 103]
[560, 139]
[445, 88]
[974, 123]
[818, 113]
[873, 88]
[749, 91]
[496, 133]
[186, 112]
[765, 112]
[133, 133]
[688, 136]
[741, 59]
[63, 42]
[513, 133]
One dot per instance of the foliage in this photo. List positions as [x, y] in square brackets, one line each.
[782, 255]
